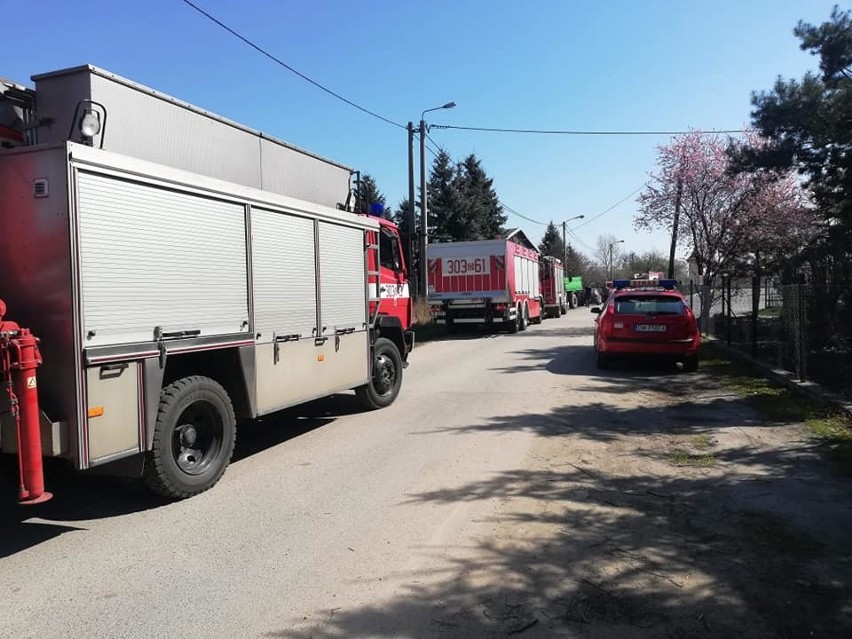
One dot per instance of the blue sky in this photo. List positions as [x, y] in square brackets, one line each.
[606, 65]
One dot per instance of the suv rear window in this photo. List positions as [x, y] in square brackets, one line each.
[649, 305]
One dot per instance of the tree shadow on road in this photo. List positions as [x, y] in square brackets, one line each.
[80, 497]
[751, 542]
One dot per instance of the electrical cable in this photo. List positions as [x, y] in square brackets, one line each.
[602, 213]
[579, 241]
[520, 215]
[264, 52]
[564, 132]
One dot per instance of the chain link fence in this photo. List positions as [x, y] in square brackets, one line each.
[803, 327]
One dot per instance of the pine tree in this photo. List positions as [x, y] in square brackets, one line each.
[369, 194]
[401, 219]
[444, 204]
[481, 212]
[551, 244]
[576, 263]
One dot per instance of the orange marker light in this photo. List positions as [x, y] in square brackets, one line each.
[96, 411]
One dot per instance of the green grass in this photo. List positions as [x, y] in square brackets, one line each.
[779, 404]
[702, 441]
[683, 458]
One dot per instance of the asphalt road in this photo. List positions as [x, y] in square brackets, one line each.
[320, 513]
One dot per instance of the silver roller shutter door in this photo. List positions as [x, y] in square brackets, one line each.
[151, 256]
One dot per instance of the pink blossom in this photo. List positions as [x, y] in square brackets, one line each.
[724, 216]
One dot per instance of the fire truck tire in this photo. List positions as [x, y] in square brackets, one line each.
[523, 318]
[514, 325]
[384, 386]
[194, 438]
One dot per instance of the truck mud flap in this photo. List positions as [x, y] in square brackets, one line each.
[409, 338]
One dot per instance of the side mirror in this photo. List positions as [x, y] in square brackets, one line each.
[596, 310]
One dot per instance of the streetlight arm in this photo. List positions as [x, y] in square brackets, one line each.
[448, 105]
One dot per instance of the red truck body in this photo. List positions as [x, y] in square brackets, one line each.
[488, 282]
[552, 286]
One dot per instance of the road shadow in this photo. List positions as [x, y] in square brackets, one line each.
[85, 496]
[464, 332]
[739, 547]
[580, 360]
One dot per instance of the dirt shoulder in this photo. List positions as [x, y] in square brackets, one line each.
[665, 506]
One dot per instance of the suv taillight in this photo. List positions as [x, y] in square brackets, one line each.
[606, 321]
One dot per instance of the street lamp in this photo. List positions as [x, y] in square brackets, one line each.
[423, 274]
[610, 255]
[565, 240]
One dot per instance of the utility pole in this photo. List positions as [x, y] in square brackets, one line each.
[412, 217]
[564, 245]
[424, 215]
[423, 260]
[610, 261]
[675, 222]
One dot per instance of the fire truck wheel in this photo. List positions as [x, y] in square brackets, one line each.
[514, 325]
[384, 386]
[523, 318]
[558, 312]
[193, 438]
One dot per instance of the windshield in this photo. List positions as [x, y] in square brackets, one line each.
[649, 305]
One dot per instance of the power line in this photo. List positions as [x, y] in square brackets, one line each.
[565, 132]
[435, 144]
[264, 52]
[579, 241]
[602, 213]
[503, 204]
[520, 215]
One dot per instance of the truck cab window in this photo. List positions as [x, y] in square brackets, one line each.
[388, 250]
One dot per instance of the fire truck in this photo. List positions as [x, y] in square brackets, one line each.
[552, 287]
[170, 271]
[486, 282]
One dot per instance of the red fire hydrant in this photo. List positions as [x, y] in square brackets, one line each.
[19, 358]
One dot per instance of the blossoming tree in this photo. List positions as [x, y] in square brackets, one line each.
[725, 219]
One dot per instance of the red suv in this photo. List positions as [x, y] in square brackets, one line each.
[646, 318]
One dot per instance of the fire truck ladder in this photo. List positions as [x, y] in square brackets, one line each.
[18, 121]
[373, 277]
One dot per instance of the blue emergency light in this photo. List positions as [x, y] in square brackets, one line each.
[666, 284]
[377, 209]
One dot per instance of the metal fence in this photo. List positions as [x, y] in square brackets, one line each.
[803, 327]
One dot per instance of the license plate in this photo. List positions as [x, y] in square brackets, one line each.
[650, 328]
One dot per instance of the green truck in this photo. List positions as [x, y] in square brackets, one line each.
[575, 290]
